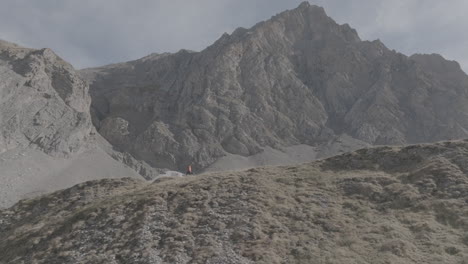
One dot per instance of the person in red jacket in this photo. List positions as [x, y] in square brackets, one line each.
[189, 170]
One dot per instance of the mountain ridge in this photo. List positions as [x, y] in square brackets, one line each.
[47, 140]
[297, 82]
[297, 78]
[61, 95]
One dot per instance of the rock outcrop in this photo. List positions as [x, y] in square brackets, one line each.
[43, 102]
[380, 205]
[298, 78]
[47, 140]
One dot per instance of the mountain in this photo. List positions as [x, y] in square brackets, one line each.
[378, 205]
[43, 103]
[298, 78]
[47, 140]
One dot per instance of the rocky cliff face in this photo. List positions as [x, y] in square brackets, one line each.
[47, 140]
[381, 205]
[43, 102]
[298, 78]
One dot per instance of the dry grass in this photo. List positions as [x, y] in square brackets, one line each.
[353, 208]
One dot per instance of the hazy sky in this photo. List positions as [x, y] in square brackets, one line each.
[97, 32]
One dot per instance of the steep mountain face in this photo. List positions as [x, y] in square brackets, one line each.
[381, 205]
[47, 140]
[43, 102]
[298, 78]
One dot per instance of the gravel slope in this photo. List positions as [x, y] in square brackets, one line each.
[29, 173]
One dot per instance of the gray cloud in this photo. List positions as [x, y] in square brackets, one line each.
[96, 32]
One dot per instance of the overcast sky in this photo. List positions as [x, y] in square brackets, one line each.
[97, 32]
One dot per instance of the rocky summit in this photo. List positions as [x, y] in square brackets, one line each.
[378, 205]
[297, 78]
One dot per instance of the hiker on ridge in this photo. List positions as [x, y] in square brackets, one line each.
[189, 170]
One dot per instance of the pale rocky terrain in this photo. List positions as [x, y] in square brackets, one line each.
[47, 140]
[29, 173]
[298, 78]
[44, 104]
[295, 154]
[378, 205]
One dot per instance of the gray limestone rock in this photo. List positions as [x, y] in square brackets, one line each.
[47, 140]
[297, 78]
[44, 104]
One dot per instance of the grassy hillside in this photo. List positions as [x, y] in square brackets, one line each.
[381, 205]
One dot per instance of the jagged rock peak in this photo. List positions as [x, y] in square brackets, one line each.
[307, 19]
[304, 22]
[306, 6]
[436, 62]
[297, 78]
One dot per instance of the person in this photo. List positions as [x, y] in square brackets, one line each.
[189, 170]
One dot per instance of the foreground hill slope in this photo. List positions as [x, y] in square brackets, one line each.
[381, 205]
[297, 78]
